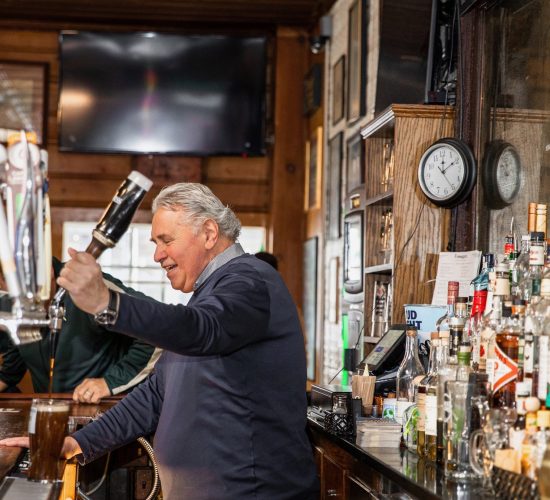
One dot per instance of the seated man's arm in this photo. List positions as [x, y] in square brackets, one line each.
[12, 368]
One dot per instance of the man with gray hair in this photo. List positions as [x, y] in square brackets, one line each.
[227, 400]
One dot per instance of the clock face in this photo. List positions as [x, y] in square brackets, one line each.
[508, 174]
[443, 172]
[502, 174]
[447, 172]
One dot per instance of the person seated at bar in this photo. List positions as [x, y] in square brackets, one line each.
[90, 362]
[269, 258]
[227, 399]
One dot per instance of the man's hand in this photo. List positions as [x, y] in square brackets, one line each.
[82, 278]
[91, 390]
[69, 450]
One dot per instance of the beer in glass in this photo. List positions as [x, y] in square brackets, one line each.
[47, 430]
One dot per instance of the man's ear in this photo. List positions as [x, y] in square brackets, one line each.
[212, 233]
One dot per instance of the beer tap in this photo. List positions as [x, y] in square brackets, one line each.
[22, 260]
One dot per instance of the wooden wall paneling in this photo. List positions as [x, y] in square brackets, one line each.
[420, 228]
[287, 183]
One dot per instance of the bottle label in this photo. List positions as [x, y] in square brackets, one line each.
[431, 415]
[543, 367]
[479, 303]
[545, 287]
[528, 355]
[502, 286]
[421, 405]
[536, 255]
[400, 410]
[504, 369]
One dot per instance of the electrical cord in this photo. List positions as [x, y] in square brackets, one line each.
[156, 478]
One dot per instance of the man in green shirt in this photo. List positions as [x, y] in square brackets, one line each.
[90, 361]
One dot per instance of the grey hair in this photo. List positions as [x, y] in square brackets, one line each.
[198, 203]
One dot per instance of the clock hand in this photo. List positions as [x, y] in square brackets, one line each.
[449, 166]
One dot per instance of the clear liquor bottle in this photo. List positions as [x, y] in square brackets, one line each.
[446, 371]
[521, 268]
[421, 394]
[409, 369]
[442, 324]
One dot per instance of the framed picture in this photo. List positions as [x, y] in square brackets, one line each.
[338, 93]
[313, 89]
[334, 187]
[310, 302]
[333, 290]
[23, 102]
[355, 173]
[357, 60]
[314, 163]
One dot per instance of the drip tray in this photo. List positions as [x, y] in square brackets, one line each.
[17, 488]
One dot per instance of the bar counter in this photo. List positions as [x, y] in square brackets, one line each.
[14, 412]
[350, 471]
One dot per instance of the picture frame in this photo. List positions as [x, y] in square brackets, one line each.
[355, 172]
[314, 170]
[338, 90]
[357, 77]
[334, 187]
[333, 290]
[23, 87]
[313, 89]
[309, 302]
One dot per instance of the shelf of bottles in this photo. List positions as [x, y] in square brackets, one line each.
[484, 401]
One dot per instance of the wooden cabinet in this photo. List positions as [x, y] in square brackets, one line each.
[404, 232]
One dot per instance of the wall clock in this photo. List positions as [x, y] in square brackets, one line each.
[502, 174]
[447, 172]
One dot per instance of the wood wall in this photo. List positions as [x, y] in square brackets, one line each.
[262, 190]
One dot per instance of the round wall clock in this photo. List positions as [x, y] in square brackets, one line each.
[447, 172]
[502, 174]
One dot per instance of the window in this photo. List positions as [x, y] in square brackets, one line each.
[131, 261]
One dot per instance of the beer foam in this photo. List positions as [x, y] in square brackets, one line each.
[46, 406]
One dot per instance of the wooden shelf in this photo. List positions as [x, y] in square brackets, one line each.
[382, 197]
[382, 268]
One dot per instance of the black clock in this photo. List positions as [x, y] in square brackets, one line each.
[447, 172]
[502, 174]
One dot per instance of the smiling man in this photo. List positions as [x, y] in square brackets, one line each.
[227, 399]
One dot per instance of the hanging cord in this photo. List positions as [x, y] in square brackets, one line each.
[156, 479]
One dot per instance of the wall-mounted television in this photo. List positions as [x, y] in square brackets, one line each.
[162, 93]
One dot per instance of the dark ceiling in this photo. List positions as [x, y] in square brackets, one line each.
[202, 14]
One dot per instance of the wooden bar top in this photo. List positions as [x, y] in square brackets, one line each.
[14, 411]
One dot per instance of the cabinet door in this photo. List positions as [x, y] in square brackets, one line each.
[332, 487]
[357, 490]
[318, 457]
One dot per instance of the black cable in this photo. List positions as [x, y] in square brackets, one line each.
[354, 347]
[398, 261]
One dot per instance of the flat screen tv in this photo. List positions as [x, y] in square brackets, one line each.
[162, 93]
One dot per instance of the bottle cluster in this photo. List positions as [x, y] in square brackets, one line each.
[489, 361]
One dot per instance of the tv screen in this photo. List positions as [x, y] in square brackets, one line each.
[161, 93]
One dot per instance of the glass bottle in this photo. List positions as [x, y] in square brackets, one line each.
[463, 370]
[446, 372]
[533, 279]
[521, 268]
[431, 402]
[505, 371]
[489, 327]
[422, 391]
[456, 327]
[442, 324]
[409, 369]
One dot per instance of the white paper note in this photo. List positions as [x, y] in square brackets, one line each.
[455, 266]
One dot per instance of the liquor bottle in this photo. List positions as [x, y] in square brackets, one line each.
[456, 327]
[521, 268]
[533, 279]
[490, 324]
[545, 277]
[409, 369]
[421, 394]
[446, 371]
[431, 402]
[442, 324]
[464, 368]
[505, 371]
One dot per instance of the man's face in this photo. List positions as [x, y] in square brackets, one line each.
[181, 252]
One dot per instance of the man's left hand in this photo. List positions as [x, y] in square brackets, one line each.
[91, 390]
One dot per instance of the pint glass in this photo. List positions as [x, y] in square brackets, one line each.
[47, 429]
